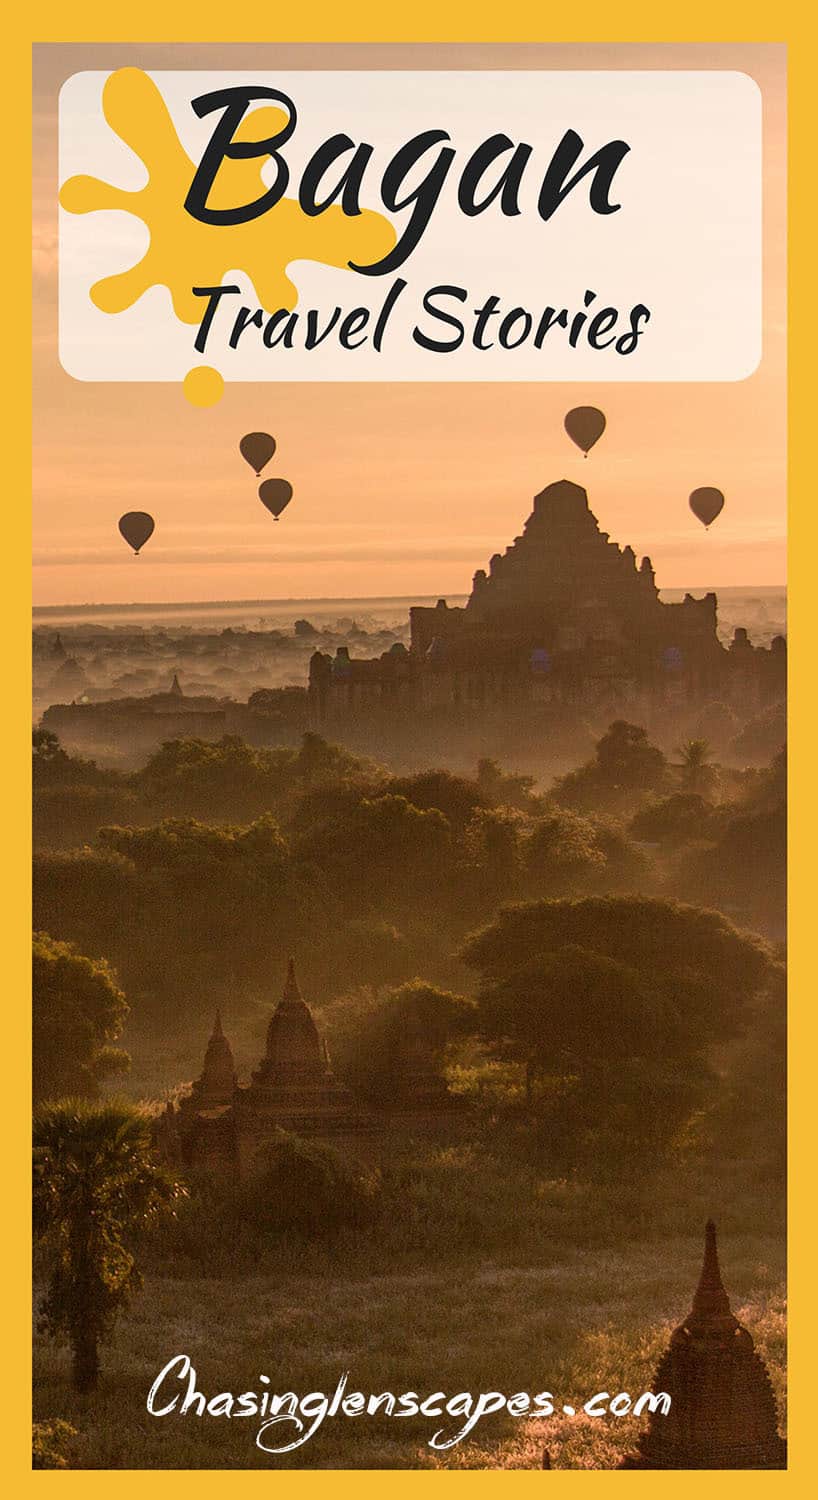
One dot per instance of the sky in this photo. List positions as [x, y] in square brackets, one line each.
[400, 489]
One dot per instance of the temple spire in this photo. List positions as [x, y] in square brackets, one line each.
[721, 1411]
[218, 1077]
[710, 1302]
[292, 994]
[294, 1051]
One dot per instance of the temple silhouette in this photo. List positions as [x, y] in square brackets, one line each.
[722, 1409]
[563, 616]
[221, 1124]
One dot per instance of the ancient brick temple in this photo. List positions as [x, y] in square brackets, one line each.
[224, 1124]
[722, 1413]
[564, 615]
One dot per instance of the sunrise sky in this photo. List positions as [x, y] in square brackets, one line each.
[399, 489]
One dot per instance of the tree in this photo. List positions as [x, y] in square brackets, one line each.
[561, 854]
[626, 867]
[615, 1045]
[301, 1187]
[683, 818]
[567, 854]
[763, 736]
[78, 1010]
[72, 797]
[572, 1006]
[376, 1038]
[697, 960]
[491, 846]
[53, 766]
[97, 1187]
[506, 788]
[216, 902]
[47, 752]
[369, 952]
[81, 894]
[185, 907]
[752, 1117]
[455, 796]
[744, 871]
[625, 766]
[696, 772]
[226, 779]
[323, 805]
[608, 1060]
[381, 852]
[197, 849]
[317, 761]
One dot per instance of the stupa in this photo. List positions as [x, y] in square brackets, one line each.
[722, 1410]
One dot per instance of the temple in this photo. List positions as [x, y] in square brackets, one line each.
[564, 615]
[221, 1124]
[722, 1409]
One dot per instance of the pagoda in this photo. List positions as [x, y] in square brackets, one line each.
[722, 1409]
[205, 1117]
[294, 1086]
[223, 1124]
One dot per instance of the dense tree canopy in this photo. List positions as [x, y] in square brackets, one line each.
[571, 1005]
[78, 1010]
[625, 767]
[697, 960]
[682, 818]
[613, 1009]
[377, 1038]
[225, 857]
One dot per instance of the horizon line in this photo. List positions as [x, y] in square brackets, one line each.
[178, 604]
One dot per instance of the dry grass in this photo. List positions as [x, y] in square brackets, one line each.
[586, 1321]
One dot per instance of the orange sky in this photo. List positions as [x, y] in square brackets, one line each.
[399, 489]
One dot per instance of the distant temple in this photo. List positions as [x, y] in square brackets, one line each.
[70, 678]
[722, 1409]
[138, 725]
[564, 615]
[224, 1125]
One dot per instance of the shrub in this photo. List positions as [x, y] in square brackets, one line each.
[52, 1444]
[303, 1188]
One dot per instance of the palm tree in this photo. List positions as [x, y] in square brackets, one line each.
[97, 1184]
[697, 772]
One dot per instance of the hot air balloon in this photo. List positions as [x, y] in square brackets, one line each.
[257, 448]
[585, 426]
[276, 494]
[136, 526]
[706, 503]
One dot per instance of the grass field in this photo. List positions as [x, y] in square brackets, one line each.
[575, 1323]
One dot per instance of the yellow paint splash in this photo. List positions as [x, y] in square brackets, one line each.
[183, 253]
[203, 386]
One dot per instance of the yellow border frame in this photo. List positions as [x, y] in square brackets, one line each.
[424, 21]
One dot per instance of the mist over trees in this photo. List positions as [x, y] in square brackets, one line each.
[586, 935]
[581, 978]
